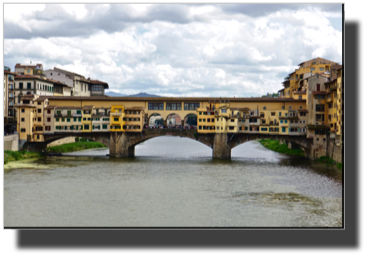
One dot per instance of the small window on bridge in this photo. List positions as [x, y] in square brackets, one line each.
[264, 107]
[273, 113]
[23, 130]
[200, 113]
[57, 119]
[199, 127]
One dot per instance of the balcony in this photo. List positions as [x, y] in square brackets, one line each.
[116, 114]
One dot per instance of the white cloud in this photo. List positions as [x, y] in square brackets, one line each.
[210, 53]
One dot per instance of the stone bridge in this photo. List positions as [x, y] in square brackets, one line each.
[123, 144]
[11, 142]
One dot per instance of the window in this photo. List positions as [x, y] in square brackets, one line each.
[155, 106]
[223, 110]
[22, 119]
[264, 129]
[104, 126]
[28, 85]
[273, 113]
[199, 120]
[264, 107]
[79, 119]
[283, 107]
[115, 119]
[48, 119]
[200, 113]
[174, 106]
[23, 130]
[78, 112]
[320, 107]
[20, 85]
[290, 107]
[200, 127]
[280, 113]
[62, 120]
[86, 127]
[312, 69]
[191, 106]
[300, 107]
[321, 69]
[74, 119]
[39, 119]
[39, 110]
[57, 119]
[68, 119]
[23, 110]
[283, 129]
[300, 97]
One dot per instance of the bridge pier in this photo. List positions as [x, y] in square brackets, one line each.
[120, 145]
[221, 148]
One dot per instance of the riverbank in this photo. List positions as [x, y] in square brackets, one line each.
[19, 155]
[328, 160]
[283, 148]
[76, 146]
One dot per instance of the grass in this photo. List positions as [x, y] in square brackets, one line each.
[274, 146]
[76, 146]
[19, 155]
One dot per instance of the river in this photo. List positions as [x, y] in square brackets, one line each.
[173, 182]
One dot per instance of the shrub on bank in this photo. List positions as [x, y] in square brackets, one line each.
[76, 146]
[283, 148]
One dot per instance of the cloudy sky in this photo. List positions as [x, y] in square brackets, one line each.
[210, 50]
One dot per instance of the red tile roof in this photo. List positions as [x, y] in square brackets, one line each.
[18, 65]
[39, 78]
[98, 82]
[8, 72]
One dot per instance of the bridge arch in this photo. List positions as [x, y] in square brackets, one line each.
[188, 122]
[172, 120]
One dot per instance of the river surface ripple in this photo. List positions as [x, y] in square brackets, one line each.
[173, 182]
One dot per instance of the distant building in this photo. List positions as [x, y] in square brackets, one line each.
[9, 112]
[28, 69]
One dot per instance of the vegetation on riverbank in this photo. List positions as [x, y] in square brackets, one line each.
[76, 146]
[328, 160]
[19, 155]
[283, 148]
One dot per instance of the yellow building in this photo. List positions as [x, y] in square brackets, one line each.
[339, 107]
[133, 119]
[116, 118]
[68, 119]
[206, 120]
[87, 118]
[293, 82]
[25, 117]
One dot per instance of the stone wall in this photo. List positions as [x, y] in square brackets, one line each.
[335, 152]
[11, 143]
[62, 141]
